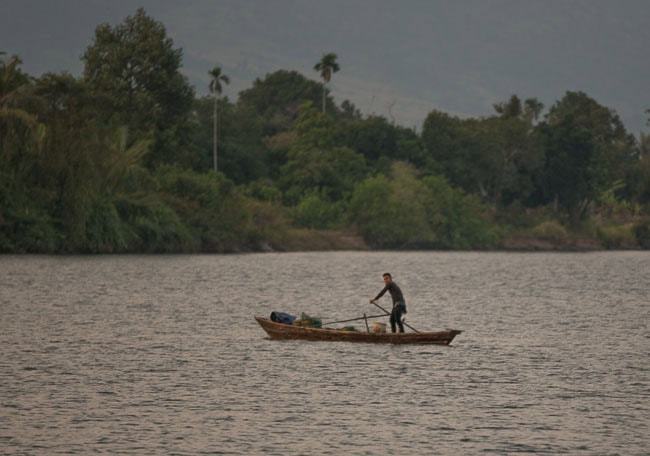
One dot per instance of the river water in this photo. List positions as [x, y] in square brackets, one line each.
[161, 355]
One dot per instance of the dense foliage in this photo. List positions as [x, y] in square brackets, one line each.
[123, 159]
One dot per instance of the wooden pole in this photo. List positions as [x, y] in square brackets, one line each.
[403, 322]
[354, 319]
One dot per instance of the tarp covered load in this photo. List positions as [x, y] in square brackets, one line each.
[306, 320]
[281, 317]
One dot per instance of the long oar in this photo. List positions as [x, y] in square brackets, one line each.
[388, 313]
[353, 319]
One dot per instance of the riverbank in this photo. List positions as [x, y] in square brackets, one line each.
[546, 236]
[321, 240]
[297, 240]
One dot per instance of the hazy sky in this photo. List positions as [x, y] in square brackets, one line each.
[400, 59]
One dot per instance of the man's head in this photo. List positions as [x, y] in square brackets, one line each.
[387, 277]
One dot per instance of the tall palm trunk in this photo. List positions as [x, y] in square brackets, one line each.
[215, 90]
[214, 135]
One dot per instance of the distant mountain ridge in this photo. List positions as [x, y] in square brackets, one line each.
[398, 60]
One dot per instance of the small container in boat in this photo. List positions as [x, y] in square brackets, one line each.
[379, 328]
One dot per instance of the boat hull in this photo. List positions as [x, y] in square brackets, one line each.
[281, 331]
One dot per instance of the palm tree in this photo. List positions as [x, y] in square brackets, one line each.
[327, 66]
[215, 89]
[11, 78]
[17, 125]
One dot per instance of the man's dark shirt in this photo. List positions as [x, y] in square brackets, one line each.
[395, 293]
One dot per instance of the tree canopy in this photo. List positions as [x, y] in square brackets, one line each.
[122, 159]
[134, 67]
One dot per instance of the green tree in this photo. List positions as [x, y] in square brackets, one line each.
[404, 211]
[216, 78]
[25, 225]
[19, 127]
[12, 78]
[327, 67]
[529, 111]
[17, 123]
[317, 161]
[637, 178]
[89, 169]
[83, 166]
[382, 143]
[391, 211]
[368, 211]
[135, 67]
[244, 157]
[214, 210]
[70, 167]
[349, 111]
[587, 150]
[454, 144]
[532, 109]
[315, 129]
[458, 220]
[510, 160]
[373, 137]
[510, 108]
[496, 158]
[316, 210]
[515, 150]
[332, 172]
[277, 99]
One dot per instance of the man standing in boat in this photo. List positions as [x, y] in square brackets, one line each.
[399, 304]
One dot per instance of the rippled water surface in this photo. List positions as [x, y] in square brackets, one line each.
[161, 355]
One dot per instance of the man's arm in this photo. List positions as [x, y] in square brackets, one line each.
[381, 293]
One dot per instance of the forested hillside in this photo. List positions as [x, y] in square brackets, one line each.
[126, 158]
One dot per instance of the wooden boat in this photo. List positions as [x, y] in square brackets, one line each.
[284, 331]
